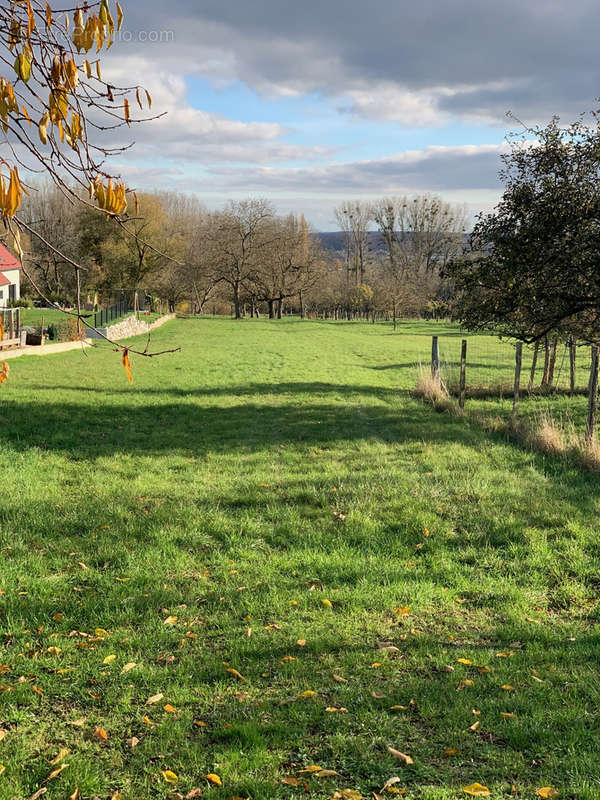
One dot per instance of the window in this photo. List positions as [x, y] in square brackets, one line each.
[12, 292]
[1, 294]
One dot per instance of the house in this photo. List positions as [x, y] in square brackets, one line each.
[10, 277]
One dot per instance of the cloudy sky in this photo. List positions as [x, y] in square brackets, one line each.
[313, 102]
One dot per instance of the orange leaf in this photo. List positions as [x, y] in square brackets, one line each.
[127, 365]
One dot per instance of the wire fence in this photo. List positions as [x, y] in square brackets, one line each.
[554, 366]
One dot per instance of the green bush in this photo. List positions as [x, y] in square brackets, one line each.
[66, 330]
[23, 302]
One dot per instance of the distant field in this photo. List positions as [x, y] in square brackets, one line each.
[266, 556]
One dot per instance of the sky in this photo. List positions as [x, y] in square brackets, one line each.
[312, 103]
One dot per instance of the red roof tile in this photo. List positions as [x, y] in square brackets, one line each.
[7, 260]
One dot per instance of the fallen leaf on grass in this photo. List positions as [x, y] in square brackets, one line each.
[3, 733]
[398, 708]
[309, 770]
[101, 734]
[339, 678]
[171, 620]
[109, 659]
[301, 642]
[507, 715]
[168, 707]
[402, 611]
[391, 782]
[147, 721]
[39, 793]
[402, 756]
[156, 698]
[508, 688]
[55, 773]
[62, 754]
[340, 710]
[169, 776]
[2, 768]
[128, 667]
[464, 661]
[291, 781]
[308, 693]
[347, 794]
[236, 674]
[287, 658]
[133, 742]
[214, 779]
[76, 794]
[194, 793]
[464, 684]
[326, 773]
[474, 726]
[476, 790]
[327, 603]
[547, 791]
[79, 723]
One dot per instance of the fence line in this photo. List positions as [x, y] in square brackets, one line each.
[105, 316]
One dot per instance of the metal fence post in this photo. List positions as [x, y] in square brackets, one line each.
[463, 373]
[592, 415]
[517, 386]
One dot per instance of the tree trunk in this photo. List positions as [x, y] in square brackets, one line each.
[394, 313]
[301, 300]
[271, 309]
[279, 307]
[533, 366]
[552, 361]
[546, 361]
[237, 308]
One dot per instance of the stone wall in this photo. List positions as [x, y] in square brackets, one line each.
[129, 327]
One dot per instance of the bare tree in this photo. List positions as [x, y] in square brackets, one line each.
[354, 217]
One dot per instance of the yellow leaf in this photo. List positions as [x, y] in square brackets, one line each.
[308, 693]
[128, 667]
[56, 772]
[327, 603]
[547, 791]
[507, 715]
[62, 754]
[451, 752]
[109, 659]
[101, 633]
[287, 658]
[508, 688]
[214, 779]
[169, 776]
[311, 769]
[235, 674]
[401, 756]
[347, 794]
[169, 620]
[476, 790]
[75, 796]
[147, 721]
[301, 642]
[119, 17]
[398, 708]
[334, 709]
[101, 734]
[2, 768]
[474, 726]
[156, 698]
[326, 773]
[127, 366]
[402, 611]
[339, 678]
[464, 661]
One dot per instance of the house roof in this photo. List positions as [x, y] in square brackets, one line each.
[7, 260]
[4, 280]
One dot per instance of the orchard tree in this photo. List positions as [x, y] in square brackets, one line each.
[533, 266]
[58, 115]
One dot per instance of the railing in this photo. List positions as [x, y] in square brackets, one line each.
[10, 319]
[105, 316]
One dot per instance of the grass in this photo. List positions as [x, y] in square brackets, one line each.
[194, 522]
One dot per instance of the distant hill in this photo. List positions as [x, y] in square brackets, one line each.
[333, 241]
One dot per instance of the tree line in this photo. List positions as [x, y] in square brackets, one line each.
[245, 259]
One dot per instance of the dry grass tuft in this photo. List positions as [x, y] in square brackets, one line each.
[589, 453]
[433, 391]
[548, 437]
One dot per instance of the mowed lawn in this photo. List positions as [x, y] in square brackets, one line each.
[264, 557]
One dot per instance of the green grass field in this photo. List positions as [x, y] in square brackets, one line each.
[266, 555]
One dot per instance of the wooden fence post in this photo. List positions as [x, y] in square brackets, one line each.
[517, 386]
[463, 373]
[435, 359]
[572, 363]
[533, 366]
[592, 415]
